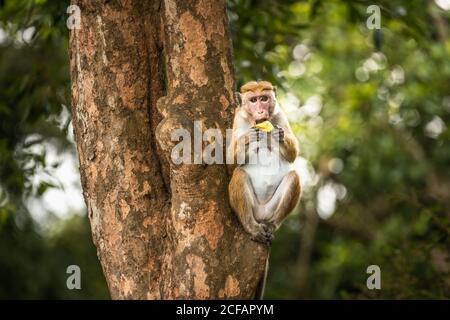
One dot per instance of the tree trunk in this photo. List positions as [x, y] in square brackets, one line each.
[162, 231]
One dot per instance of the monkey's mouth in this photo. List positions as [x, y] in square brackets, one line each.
[261, 120]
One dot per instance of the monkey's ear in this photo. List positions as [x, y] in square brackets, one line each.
[238, 98]
[275, 90]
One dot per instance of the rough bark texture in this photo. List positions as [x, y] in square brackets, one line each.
[162, 231]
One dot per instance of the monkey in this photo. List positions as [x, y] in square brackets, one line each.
[263, 192]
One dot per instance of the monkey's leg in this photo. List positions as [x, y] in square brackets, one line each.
[243, 201]
[283, 200]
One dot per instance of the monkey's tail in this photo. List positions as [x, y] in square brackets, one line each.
[262, 282]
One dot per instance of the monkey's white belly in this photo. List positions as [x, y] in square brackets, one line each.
[267, 173]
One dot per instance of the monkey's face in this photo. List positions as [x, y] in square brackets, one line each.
[259, 105]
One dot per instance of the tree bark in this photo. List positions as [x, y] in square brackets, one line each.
[162, 231]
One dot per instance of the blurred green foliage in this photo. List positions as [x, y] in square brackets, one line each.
[35, 90]
[33, 266]
[370, 108]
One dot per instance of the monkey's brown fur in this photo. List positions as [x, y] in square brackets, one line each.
[257, 86]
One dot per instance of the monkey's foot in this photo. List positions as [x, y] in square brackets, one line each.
[264, 234]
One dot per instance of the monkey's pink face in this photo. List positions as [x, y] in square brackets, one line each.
[258, 105]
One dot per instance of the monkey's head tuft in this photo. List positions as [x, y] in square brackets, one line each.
[257, 86]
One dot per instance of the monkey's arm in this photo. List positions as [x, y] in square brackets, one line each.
[289, 147]
[239, 149]
[243, 135]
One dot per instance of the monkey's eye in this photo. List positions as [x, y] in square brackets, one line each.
[253, 99]
[264, 98]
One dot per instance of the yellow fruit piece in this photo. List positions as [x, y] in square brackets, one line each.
[265, 126]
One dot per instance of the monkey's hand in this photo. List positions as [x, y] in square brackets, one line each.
[278, 134]
[253, 141]
[246, 144]
[260, 232]
[253, 135]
